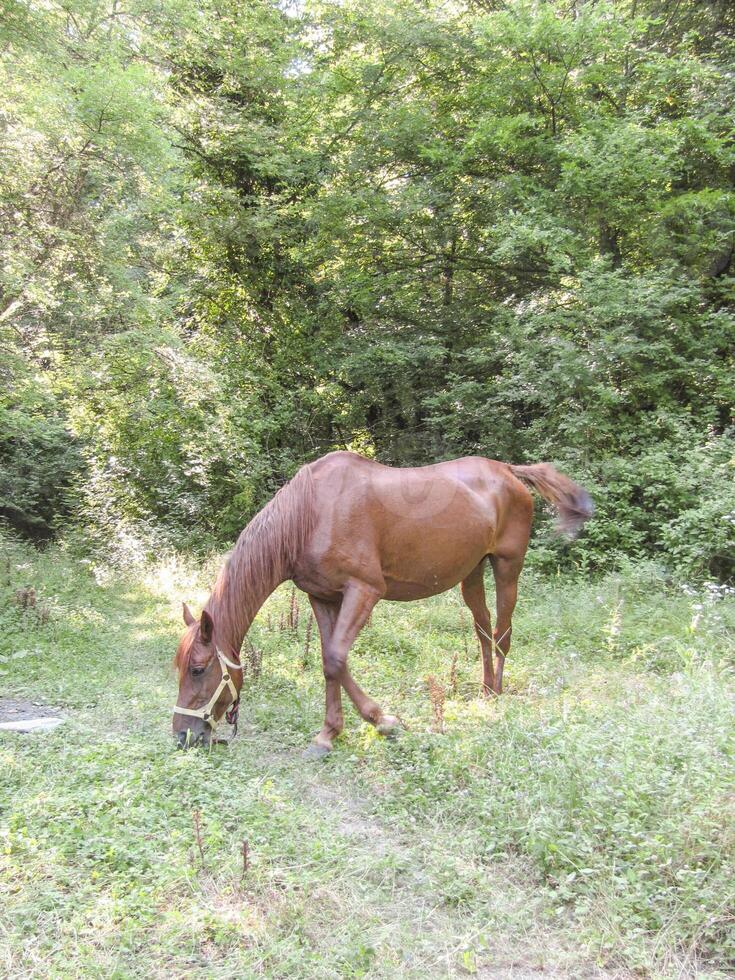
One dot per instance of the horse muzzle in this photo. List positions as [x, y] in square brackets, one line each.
[189, 739]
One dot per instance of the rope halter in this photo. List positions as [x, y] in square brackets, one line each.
[206, 713]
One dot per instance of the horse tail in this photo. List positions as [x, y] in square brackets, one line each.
[572, 502]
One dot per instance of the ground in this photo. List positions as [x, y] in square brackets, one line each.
[582, 826]
[13, 710]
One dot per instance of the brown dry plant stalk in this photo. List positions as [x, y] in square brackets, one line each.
[252, 658]
[255, 659]
[437, 696]
[26, 598]
[307, 643]
[463, 627]
[293, 612]
[198, 834]
[453, 674]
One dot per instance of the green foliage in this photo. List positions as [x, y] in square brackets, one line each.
[236, 238]
[41, 464]
[40, 469]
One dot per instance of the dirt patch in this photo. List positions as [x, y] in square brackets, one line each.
[518, 970]
[352, 820]
[12, 710]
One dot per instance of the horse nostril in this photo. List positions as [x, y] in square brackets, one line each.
[187, 739]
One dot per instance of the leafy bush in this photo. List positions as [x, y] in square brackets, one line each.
[41, 470]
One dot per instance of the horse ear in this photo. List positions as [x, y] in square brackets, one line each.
[188, 618]
[206, 627]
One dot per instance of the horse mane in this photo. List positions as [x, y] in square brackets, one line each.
[183, 651]
[263, 557]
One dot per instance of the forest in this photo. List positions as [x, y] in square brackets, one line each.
[236, 236]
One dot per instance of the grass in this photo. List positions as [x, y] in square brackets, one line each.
[584, 824]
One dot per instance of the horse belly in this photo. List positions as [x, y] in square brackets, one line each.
[421, 562]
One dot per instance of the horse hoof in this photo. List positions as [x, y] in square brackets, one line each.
[388, 726]
[315, 751]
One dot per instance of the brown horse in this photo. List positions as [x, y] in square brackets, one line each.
[349, 532]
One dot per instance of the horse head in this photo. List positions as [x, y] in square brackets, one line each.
[209, 682]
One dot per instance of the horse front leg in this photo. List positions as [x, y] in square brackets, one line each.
[357, 603]
[326, 614]
[367, 708]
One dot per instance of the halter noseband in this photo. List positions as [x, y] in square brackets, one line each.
[206, 713]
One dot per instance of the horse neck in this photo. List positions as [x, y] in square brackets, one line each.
[253, 571]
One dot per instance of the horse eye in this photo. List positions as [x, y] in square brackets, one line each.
[197, 671]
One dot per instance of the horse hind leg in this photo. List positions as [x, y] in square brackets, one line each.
[506, 571]
[473, 593]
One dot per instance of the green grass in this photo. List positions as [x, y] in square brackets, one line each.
[583, 824]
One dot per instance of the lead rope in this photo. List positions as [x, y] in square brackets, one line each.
[231, 716]
[493, 642]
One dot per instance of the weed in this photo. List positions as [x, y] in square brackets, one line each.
[25, 598]
[252, 658]
[197, 817]
[305, 656]
[292, 620]
[437, 696]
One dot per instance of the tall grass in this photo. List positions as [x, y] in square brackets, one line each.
[584, 822]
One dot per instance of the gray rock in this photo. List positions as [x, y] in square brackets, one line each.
[30, 725]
